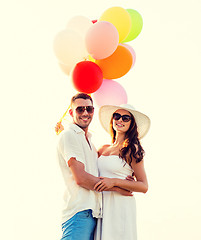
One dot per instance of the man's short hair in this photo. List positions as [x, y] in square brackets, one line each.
[80, 95]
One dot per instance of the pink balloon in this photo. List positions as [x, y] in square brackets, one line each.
[110, 93]
[131, 51]
[101, 40]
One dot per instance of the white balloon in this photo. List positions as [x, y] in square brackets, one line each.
[69, 47]
[66, 68]
[79, 24]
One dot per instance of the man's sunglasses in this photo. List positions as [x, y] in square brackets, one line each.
[81, 109]
[125, 118]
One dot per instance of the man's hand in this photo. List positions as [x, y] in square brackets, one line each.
[104, 184]
[108, 184]
[59, 127]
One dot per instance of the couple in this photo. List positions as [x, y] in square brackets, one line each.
[88, 174]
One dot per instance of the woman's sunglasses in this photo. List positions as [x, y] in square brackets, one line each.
[81, 109]
[125, 118]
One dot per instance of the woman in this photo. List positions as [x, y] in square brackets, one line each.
[116, 161]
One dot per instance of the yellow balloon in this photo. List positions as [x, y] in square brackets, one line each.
[91, 59]
[120, 18]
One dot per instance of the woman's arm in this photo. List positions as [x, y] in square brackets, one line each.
[140, 185]
[121, 191]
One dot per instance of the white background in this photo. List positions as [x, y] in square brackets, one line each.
[164, 84]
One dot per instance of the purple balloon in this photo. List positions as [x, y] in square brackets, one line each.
[131, 51]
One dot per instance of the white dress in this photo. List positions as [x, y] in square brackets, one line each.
[119, 212]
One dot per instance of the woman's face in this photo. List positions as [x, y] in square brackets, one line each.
[120, 124]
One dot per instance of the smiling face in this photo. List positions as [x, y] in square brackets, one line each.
[82, 119]
[120, 125]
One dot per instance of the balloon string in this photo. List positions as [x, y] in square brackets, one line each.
[61, 119]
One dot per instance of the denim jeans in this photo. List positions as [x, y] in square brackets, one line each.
[80, 227]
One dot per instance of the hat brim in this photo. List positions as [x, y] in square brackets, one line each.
[143, 122]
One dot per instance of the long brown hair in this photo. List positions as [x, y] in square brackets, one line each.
[131, 145]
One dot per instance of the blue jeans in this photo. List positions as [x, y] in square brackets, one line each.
[80, 227]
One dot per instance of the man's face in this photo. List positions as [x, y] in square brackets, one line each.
[81, 118]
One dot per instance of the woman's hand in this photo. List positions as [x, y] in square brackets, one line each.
[104, 184]
[130, 178]
[123, 192]
[59, 127]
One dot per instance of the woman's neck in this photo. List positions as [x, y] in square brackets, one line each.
[119, 139]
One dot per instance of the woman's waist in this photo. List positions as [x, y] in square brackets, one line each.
[113, 197]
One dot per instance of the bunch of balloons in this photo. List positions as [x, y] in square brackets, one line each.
[95, 53]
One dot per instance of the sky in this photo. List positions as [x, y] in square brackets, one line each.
[164, 84]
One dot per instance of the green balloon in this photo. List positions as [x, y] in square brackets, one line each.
[136, 25]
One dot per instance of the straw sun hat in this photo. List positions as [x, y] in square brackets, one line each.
[142, 121]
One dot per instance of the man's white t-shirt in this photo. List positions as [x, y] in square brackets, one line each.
[72, 143]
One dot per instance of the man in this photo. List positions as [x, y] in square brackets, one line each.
[78, 162]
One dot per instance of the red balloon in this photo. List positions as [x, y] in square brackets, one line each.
[87, 77]
[94, 21]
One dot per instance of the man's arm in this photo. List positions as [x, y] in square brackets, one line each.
[140, 185]
[82, 178]
[87, 180]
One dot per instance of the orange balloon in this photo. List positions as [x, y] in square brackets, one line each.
[117, 64]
